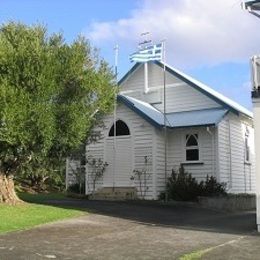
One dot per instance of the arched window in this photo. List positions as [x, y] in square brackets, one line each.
[192, 147]
[121, 129]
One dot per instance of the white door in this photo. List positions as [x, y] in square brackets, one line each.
[118, 155]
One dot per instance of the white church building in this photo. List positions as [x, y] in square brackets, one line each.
[207, 133]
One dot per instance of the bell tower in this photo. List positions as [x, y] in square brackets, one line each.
[255, 63]
[253, 7]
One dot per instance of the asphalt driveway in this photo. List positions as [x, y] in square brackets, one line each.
[133, 230]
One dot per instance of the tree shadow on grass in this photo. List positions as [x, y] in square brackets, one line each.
[180, 215]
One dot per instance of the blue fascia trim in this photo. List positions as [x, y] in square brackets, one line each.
[128, 73]
[130, 105]
[222, 117]
[197, 110]
[136, 110]
[251, 3]
[190, 126]
[222, 103]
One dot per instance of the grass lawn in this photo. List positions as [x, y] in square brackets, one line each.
[32, 214]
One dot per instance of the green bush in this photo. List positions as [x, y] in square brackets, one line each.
[213, 188]
[183, 187]
[77, 188]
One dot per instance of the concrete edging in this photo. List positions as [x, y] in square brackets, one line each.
[229, 203]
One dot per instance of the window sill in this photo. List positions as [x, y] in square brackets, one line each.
[192, 163]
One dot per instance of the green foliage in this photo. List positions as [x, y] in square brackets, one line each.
[182, 186]
[41, 175]
[212, 188]
[51, 95]
[78, 188]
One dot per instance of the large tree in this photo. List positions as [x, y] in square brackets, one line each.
[51, 92]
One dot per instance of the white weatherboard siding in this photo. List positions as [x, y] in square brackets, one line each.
[180, 96]
[176, 154]
[159, 161]
[256, 106]
[71, 170]
[135, 82]
[138, 145]
[206, 151]
[95, 150]
[238, 174]
[185, 98]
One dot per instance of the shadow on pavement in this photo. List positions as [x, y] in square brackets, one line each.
[154, 213]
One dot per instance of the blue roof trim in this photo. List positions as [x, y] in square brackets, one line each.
[222, 117]
[217, 97]
[190, 126]
[130, 105]
[203, 117]
[129, 73]
[177, 75]
[194, 118]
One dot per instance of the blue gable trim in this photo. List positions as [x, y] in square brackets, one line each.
[189, 82]
[222, 118]
[177, 75]
[130, 105]
[198, 118]
[129, 73]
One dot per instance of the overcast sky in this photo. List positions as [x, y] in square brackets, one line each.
[210, 40]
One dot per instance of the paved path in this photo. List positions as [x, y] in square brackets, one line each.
[136, 231]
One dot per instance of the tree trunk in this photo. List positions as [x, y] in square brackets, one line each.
[7, 192]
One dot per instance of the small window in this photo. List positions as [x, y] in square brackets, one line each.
[121, 129]
[247, 148]
[192, 147]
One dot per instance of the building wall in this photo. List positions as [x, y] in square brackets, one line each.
[233, 169]
[222, 149]
[176, 154]
[180, 96]
[141, 146]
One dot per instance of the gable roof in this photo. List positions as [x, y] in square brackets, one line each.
[204, 117]
[206, 90]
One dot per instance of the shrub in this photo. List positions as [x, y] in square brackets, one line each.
[213, 188]
[182, 186]
[77, 188]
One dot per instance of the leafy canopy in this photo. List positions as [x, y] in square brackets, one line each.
[51, 93]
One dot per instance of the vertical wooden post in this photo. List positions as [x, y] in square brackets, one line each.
[165, 121]
[115, 116]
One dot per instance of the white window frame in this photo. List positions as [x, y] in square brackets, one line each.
[191, 147]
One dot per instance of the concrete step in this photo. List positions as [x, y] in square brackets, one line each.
[117, 193]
